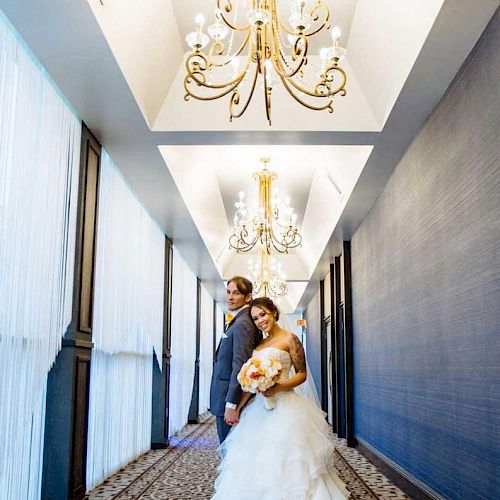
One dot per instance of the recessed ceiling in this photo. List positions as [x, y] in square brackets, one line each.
[119, 64]
[317, 179]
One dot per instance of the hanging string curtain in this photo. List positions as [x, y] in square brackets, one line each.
[183, 343]
[128, 303]
[127, 326]
[206, 347]
[219, 320]
[119, 412]
[39, 161]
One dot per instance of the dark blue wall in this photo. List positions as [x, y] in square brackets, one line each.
[426, 295]
[313, 339]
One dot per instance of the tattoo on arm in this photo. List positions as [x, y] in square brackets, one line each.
[297, 354]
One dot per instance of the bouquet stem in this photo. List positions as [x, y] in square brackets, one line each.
[270, 402]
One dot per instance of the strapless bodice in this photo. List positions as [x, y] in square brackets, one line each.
[281, 355]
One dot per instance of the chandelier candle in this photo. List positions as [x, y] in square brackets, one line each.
[262, 52]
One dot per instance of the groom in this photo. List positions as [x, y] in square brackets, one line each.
[235, 347]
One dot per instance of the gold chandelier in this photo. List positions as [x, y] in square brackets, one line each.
[271, 48]
[273, 226]
[267, 276]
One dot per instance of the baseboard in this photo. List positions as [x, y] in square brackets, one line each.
[159, 446]
[410, 485]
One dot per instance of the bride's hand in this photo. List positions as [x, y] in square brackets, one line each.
[272, 390]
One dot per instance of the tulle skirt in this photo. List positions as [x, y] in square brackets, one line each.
[278, 454]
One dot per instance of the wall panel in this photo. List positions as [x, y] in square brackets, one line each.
[426, 295]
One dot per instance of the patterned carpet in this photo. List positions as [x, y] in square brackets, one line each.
[186, 470]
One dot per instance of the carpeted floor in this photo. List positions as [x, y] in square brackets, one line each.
[187, 470]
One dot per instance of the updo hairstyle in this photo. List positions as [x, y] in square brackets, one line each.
[266, 303]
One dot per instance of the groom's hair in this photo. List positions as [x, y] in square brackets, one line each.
[266, 303]
[243, 285]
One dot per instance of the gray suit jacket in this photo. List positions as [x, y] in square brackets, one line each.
[234, 349]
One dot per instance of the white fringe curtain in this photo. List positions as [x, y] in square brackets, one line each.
[127, 325]
[219, 320]
[183, 342]
[39, 160]
[206, 348]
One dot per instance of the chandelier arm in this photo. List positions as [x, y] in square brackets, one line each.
[325, 22]
[229, 59]
[277, 245]
[279, 249]
[290, 235]
[329, 77]
[228, 8]
[233, 83]
[239, 237]
[311, 93]
[244, 246]
[280, 68]
[244, 249]
[191, 76]
[273, 237]
[296, 240]
[235, 98]
[297, 243]
[327, 106]
[279, 291]
[219, 46]
[267, 97]
[197, 61]
[190, 93]
[288, 240]
[201, 69]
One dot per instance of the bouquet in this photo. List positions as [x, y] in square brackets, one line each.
[259, 374]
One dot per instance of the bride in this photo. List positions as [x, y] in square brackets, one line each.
[281, 453]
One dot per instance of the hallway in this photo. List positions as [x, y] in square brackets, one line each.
[187, 469]
[162, 251]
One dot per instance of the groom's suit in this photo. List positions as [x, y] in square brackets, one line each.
[235, 348]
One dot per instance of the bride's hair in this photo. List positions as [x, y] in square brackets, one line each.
[266, 303]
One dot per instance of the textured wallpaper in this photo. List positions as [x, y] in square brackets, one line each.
[426, 294]
[313, 339]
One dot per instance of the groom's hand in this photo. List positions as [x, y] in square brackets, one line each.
[231, 417]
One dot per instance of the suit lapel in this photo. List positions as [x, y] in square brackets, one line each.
[236, 317]
[228, 327]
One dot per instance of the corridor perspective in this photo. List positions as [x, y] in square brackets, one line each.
[340, 157]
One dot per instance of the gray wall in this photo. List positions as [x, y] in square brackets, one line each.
[426, 294]
[313, 339]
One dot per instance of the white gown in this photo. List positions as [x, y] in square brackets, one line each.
[278, 454]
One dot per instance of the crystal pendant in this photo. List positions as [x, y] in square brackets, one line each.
[197, 39]
[217, 31]
[331, 53]
[300, 22]
[258, 16]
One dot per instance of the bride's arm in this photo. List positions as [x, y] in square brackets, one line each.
[298, 358]
[244, 398]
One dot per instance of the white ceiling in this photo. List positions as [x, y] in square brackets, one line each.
[120, 66]
[317, 180]
[341, 13]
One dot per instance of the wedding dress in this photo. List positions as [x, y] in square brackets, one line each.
[278, 454]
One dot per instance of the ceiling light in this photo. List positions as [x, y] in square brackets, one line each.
[270, 47]
[272, 226]
[267, 276]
